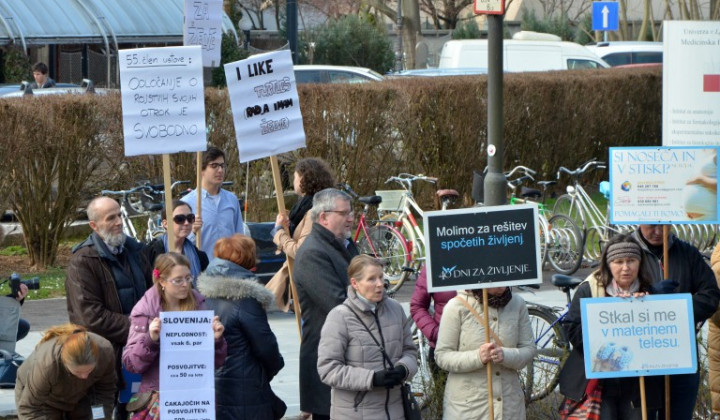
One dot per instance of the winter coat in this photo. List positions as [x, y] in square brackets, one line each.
[457, 351]
[242, 384]
[45, 389]
[348, 357]
[714, 340]
[142, 354]
[278, 284]
[572, 375]
[321, 278]
[689, 268]
[428, 323]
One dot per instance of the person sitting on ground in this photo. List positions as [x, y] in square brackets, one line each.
[69, 375]
[40, 74]
[171, 292]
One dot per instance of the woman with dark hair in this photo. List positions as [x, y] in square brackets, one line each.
[70, 372]
[172, 292]
[621, 274]
[311, 176]
[242, 385]
[184, 222]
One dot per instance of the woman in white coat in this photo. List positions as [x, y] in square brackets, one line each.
[462, 351]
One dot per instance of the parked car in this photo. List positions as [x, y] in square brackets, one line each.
[434, 72]
[6, 88]
[527, 51]
[335, 74]
[270, 259]
[87, 86]
[622, 53]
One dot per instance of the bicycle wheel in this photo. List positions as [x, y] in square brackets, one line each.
[389, 246]
[540, 377]
[565, 205]
[422, 382]
[543, 238]
[565, 251]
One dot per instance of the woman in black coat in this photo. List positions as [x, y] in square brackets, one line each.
[242, 385]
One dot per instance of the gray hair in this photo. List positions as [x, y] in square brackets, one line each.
[92, 208]
[325, 201]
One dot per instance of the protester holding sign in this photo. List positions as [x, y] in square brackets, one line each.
[184, 222]
[311, 175]
[462, 351]
[366, 348]
[69, 375]
[242, 385]
[172, 292]
[221, 215]
[688, 268]
[621, 274]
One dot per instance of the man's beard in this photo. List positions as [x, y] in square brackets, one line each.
[114, 240]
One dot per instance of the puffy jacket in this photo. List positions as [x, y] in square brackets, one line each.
[45, 389]
[242, 384]
[141, 353]
[429, 323]
[457, 351]
[348, 358]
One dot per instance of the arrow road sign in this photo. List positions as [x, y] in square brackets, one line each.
[605, 16]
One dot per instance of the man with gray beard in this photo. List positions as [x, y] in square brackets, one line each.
[106, 277]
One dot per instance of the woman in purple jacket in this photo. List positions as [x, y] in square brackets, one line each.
[172, 292]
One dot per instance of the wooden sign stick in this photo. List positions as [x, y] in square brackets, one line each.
[491, 408]
[168, 201]
[666, 275]
[199, 195]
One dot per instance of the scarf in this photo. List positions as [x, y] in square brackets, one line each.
[189, 251]
[614, 290]
[297, 212]
[494, 301]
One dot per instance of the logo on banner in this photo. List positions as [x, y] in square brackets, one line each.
[625, 186]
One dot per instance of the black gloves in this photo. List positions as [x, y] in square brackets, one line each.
[664, 287]
[389, 378]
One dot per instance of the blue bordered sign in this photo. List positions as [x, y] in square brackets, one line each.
[605, 16]
[653, 335]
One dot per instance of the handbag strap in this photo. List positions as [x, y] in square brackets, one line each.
[481, 320]
[382, 349]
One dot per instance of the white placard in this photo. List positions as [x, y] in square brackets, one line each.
[663, 185]
[163, 100]
[187, 365]
[203, 27]
[265, 105]
[654, 335]
[691, 83]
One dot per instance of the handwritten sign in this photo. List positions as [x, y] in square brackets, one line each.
[163, 100]
[203, 27]
[187, 365]
[654, 335]
[663, 185]
[265, 105]
[482, 247]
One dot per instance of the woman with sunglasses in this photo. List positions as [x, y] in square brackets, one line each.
[184, 222]
[171, 292]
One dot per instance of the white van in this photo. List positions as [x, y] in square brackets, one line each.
[527, 51]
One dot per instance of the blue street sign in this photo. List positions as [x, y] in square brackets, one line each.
[605, 16]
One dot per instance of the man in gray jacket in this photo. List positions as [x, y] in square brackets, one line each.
[321, 278]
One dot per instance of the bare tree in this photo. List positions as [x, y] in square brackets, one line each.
[444, 13]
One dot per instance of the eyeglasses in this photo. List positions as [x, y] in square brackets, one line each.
[216, 165]
[180, 281]
[343, 213]
[180, 219]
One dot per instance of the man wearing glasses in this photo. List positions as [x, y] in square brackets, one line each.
[688, 273]
[221, 216]
[107, 276]
[321, 278]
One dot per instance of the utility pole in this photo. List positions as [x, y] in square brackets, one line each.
[399, 51]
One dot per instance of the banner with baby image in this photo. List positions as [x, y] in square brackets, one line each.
[663, 185]
[653, 335]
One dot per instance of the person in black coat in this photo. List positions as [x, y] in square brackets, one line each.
[184, 222]
[242, 385]
[321, 278]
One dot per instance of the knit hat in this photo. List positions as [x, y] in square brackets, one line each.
[623, 250]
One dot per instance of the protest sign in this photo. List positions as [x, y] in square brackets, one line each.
[653, 335]
[654, 185]
[203, 27]
[691, 83]
[163, 100]
[482, 247]
[187, 365]
[265, 105]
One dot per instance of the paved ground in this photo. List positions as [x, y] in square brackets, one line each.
[45, 313]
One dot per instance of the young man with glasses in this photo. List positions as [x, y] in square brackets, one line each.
[321, 278]
[221, 216]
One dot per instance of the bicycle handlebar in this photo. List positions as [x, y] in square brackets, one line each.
[525, 169]
[512, 184]
[345, 187]
[406, 179]
[595, 164]
[126, 192]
